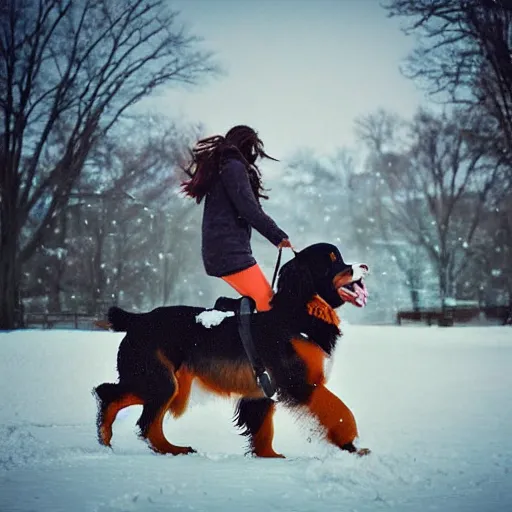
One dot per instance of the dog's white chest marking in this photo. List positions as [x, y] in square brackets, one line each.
[212, 317]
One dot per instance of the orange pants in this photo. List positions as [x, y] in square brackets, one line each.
[253, 283]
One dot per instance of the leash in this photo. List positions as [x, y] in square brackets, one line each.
[278, 265]
[276, 268]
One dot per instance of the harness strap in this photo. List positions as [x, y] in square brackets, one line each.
[244, 329]
[244, 313]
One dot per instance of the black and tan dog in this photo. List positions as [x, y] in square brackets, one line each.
[167, 349]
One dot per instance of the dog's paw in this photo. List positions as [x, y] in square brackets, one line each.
[269, 455]
[186, 450]
[173, 450]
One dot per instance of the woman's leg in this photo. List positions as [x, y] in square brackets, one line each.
[253, 283]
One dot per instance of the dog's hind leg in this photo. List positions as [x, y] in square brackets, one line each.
[161, 390]
[111, 399]
[255, 416]
[151, 424]
[179, 403]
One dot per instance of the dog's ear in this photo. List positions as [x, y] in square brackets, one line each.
[294, 286]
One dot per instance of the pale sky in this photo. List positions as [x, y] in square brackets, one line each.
[298, 71]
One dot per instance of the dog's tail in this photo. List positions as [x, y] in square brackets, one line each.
[118, 320]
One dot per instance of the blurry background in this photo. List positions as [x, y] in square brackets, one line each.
[396, 147]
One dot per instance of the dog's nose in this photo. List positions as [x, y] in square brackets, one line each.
[359, 270]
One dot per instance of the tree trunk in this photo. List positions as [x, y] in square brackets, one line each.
[415, 299]
[98, 277]
[443, 285]
[10, 306]
[508, 319]
[446, 319]
[95, 284]
[55, 284]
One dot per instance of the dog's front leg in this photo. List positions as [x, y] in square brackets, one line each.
[335, 417]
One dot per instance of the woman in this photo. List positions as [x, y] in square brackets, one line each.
[223, 170]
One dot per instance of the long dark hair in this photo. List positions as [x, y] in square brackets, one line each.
[241, 142]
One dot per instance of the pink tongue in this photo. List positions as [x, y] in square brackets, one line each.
[362, 294]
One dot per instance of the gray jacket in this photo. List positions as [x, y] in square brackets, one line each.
[230, 211]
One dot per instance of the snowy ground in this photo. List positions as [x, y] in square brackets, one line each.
[433, 404]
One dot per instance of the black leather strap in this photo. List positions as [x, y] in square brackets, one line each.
[247, 306]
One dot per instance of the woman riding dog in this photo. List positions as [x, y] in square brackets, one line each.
[223, 171]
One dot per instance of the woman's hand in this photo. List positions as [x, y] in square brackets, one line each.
[285, 243]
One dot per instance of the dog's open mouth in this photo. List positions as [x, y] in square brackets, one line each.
[356, 293]
[350, 285]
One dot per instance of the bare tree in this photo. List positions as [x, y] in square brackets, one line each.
[320, 195]
[464, 55]
[490, 270]
[434, 186]
[385, 134]
[68, 72]
[119, 220]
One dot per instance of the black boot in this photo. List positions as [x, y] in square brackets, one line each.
[246, 309]
[227, 304]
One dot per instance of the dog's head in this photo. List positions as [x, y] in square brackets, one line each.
[320, 270]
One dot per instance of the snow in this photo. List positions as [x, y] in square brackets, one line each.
[433, 404]
[212, 317]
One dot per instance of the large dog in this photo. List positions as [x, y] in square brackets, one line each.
[167, 349]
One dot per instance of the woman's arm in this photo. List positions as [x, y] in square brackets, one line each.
[236, 182]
